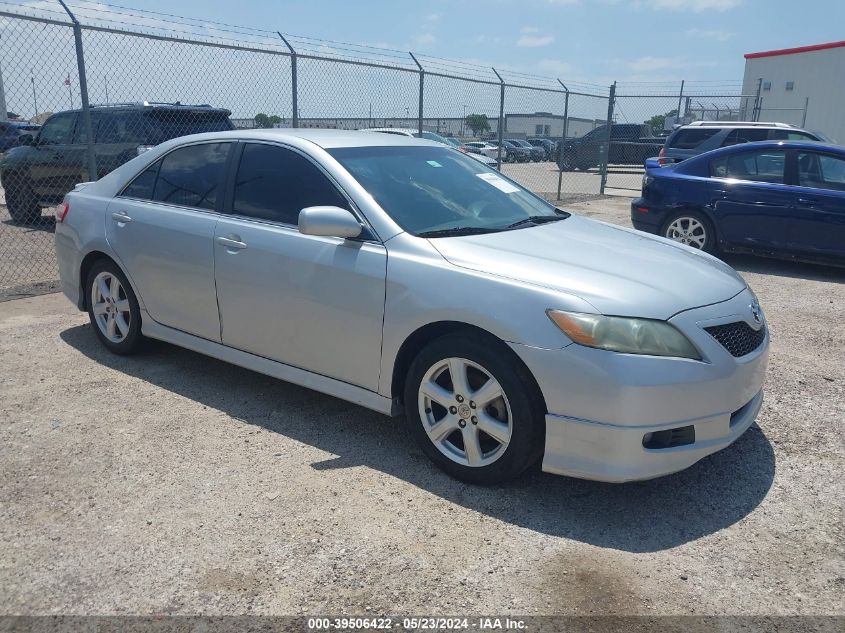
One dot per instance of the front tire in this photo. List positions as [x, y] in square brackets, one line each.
[690, 228]
[22, 203]
[474, 409]
[113, 308]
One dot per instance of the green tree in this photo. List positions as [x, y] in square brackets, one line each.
[658, 121]
[264, 121]
[478, 123]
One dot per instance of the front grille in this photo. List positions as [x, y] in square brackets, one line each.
[738, 338]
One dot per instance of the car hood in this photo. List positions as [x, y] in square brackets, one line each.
[617, 270]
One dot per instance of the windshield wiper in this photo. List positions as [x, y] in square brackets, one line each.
[536, 219]
[457, 230]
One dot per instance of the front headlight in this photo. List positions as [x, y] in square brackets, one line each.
[623, 334]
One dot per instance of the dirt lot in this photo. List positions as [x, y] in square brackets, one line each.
[172, 483]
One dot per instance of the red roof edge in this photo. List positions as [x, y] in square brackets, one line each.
[799, 49]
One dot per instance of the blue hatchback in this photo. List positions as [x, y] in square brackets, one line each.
[775, 198]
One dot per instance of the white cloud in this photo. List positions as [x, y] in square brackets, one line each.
[554, 67]
[696, 6]
[709, 34]
[433, 17]
[425, 39]
[531, 38]
[649, 64]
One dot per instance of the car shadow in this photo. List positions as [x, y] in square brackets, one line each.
[46, 223]
[636, 517]
[783, 267]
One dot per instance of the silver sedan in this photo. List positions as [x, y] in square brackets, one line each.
[404, 276]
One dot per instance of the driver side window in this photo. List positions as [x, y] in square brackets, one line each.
[58, 130]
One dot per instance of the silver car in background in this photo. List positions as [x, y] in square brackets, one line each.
[401, 275]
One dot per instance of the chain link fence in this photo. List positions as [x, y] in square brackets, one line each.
[87, 86]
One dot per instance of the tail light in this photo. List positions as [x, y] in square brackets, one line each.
[661, 156]
[62, 212]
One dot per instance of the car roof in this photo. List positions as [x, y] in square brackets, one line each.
[325, 138]
[150, 106]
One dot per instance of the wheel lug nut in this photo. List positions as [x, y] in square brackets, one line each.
[474, 420]
[471, 404]
[453, 410]
[459, 398]
[462, 423]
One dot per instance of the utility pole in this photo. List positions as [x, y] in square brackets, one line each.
[34, 98]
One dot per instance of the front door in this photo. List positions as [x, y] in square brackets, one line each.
[316, 303]
[162, 229]
[818, 223]
[56, 163]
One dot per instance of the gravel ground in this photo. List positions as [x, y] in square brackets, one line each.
[173, 483]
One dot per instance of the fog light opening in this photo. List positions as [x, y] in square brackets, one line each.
[670, 438]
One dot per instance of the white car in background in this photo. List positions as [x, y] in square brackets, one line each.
[480, 147]
[489, 160]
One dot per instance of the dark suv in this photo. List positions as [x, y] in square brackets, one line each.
[47, 165]
[702, 136]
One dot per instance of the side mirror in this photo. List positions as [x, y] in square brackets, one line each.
[26, 139]
[329, 222]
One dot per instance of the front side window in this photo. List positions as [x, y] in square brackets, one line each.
[760, 166]
[192, 176]
[433, 189]
[274, 183]
[58, 130]
[821, 171]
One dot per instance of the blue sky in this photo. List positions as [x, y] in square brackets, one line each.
[594, 41]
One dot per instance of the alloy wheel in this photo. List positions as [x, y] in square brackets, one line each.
[465, 412]
[110, 306]
[687, 230]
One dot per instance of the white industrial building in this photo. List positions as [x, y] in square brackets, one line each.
[803, 86]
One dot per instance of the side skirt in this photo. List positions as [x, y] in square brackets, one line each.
[288, 373]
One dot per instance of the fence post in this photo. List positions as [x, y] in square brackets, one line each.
[804, 118]
[422, 89]
[562, 137]
[83, 93]
[680, 99]
[3, 112]
[606, 153]
[501, 119]
[293, 85]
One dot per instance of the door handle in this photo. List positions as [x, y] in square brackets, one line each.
[806, 202]
[232, 242]
[121, 217]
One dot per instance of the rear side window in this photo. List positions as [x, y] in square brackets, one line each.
[691, 138]
[788, 135]
[144, 184]
[121, 127]
[274, 183]
[759, 166]
[192, 176]
[745, 135]
[821, 171]
[163, 125]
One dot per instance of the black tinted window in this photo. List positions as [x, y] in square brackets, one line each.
[121, 127]
[274, 183]
[192, 176]
[691, 138]
[58, 130]
[163, 125]
[760, 166]
[789, 135]
[142, 186]
[747, 135]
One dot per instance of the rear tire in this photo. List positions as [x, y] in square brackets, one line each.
[690, 228]
[486, 424]
[113, 308]
[22, 203]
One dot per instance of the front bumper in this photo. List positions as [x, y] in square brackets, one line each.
[602, 404]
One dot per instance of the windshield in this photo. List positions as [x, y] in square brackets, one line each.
[427, 189]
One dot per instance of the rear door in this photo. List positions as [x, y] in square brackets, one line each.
[162, 228]
[752, 202]
[818, 224]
